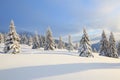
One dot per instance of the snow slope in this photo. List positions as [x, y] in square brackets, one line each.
[56, 65]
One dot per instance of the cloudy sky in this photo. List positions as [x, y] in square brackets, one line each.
[65, 17]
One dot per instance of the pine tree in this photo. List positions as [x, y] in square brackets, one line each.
[85, 49]
[70, 45]
[104, 45]
[118, 48]
[49, 42]
[112, 47]
[36, 43]
[30, 41]
[60, 44]
[12, 42]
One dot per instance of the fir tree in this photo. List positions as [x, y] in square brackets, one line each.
[70, 45]
[12, 42]
[49, 42]
[112, 47]
[104, 45]
[36, 43]
[85, 49]
[60, 43]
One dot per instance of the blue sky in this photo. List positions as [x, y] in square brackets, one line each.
[65, 17]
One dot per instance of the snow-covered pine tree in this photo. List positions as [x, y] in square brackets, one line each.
[70, 45]
[30, 41]
[118, 48]
[104, 45]
[85, 49]
[1, 38]
[112, 47]
[49, 42]
[60, 43]
[36, 43]
[12, 42]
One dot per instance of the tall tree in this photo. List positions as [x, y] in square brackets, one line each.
[112, 47]
[70, 45]
[12, 42]
[104, 45]
[85, 49]
[49, 42]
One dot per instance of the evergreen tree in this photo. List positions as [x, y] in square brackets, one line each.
[112, 47]
[104, 45]
[60, 43]
[70, 45]
[36, 43]
[30, 41]
[118, 48]
[12, 42]
[85, 49]
[49, 42]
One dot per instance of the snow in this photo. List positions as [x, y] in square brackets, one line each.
[37, 64]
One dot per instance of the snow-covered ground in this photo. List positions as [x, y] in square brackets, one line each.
[38, 64]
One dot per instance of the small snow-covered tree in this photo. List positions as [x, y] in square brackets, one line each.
[76, 46]
[70, 44]
[1, 38]
[30, 41]
[104, 45]
[60, 43]
[12, 42]
[112, 47]
[49, 42]
[94, 50]
[85, 49]
[118, 48]
[24, 39]
[36, 43]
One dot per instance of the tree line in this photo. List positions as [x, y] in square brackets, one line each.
[12, 42]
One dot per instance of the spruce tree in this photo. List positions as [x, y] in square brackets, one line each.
[49, 42]
[70, 44]
[104, 45]
[36, 43]
[12, 42]
[85, 49]
[112, 47]
[60, 43]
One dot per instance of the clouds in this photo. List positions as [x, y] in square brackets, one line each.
[64, 16]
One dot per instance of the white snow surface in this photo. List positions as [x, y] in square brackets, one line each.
[37, 64]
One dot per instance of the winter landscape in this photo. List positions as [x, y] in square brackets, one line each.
[33, 47]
